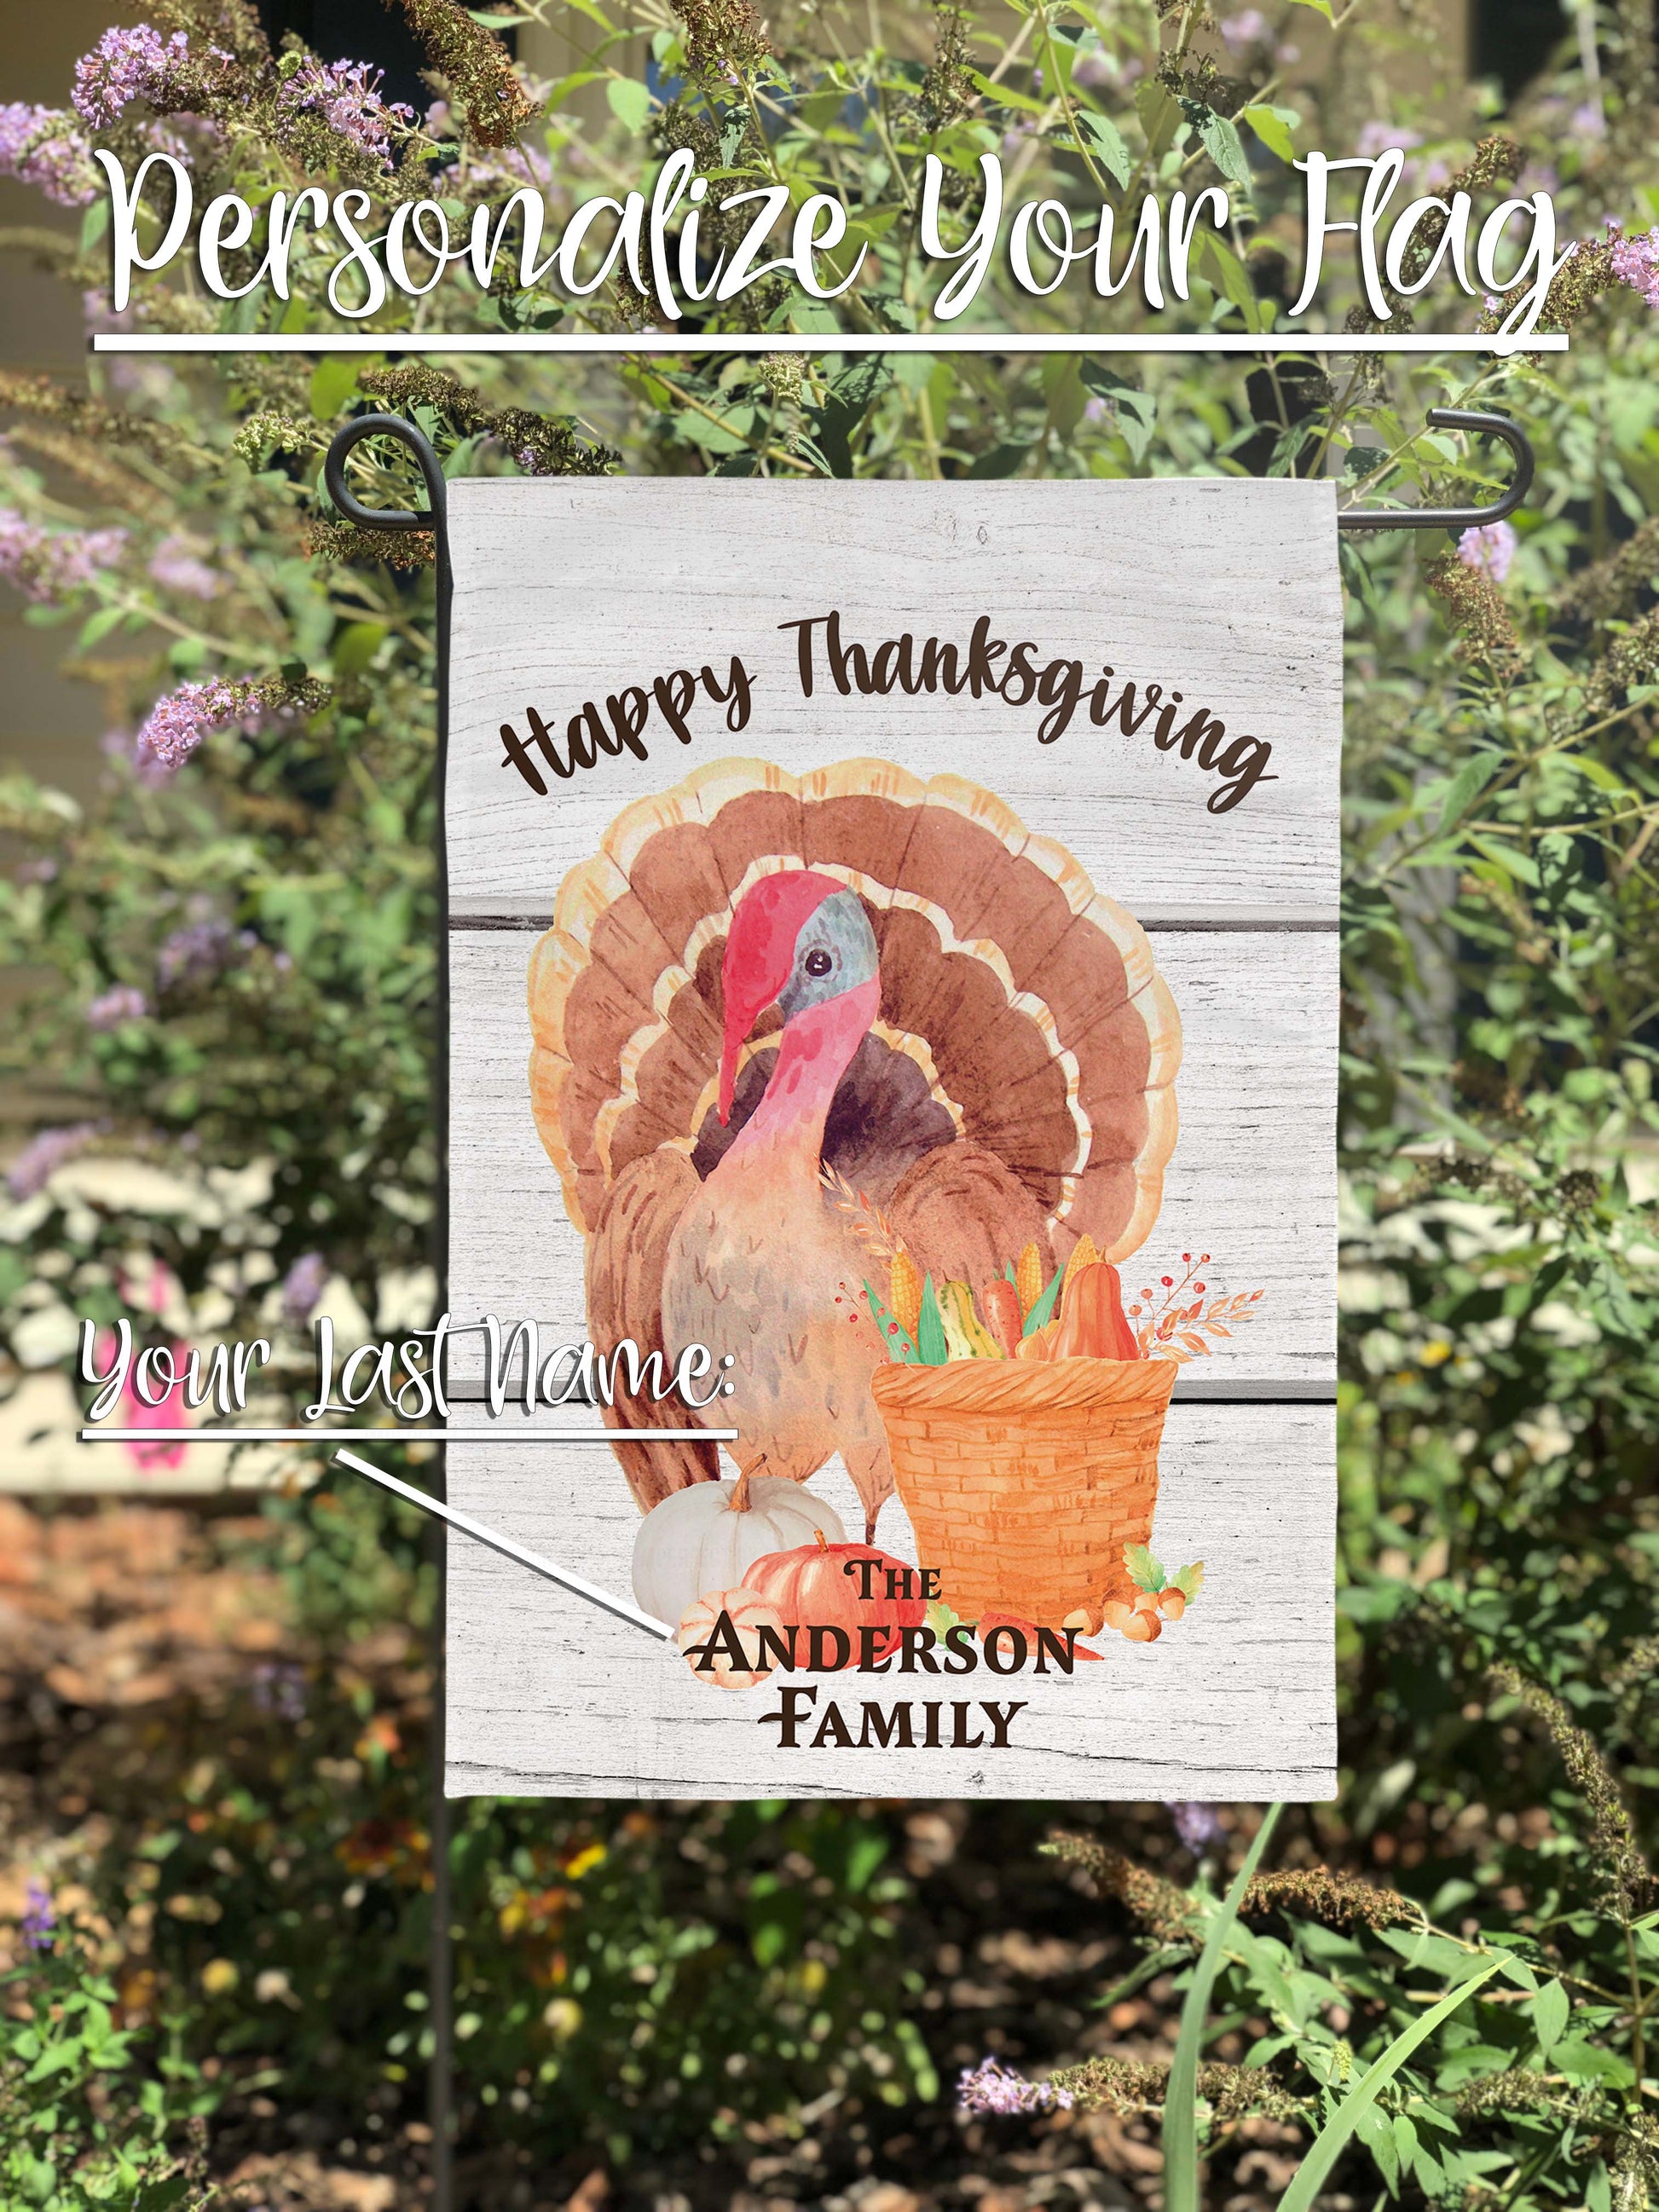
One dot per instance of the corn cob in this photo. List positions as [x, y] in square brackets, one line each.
[964, 1331]
[1028, 1279]
[904, 1293]
[1083, 1255]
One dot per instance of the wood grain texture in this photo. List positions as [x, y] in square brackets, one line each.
[1224, 591]
[1253, 1181]
[550, 1698]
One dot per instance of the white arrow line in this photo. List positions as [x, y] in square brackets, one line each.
[618, 1605]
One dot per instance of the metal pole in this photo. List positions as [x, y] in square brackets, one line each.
[441, 1965]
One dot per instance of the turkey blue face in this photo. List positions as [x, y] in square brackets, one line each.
[835, 952]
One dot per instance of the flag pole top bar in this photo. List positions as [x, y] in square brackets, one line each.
[434, 516]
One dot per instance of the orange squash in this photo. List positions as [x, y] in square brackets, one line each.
[1092, 1325]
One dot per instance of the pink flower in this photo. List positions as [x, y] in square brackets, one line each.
[45, 564]
[1247, 29]
[177, 566]
[1635, 262]
[195, 954]
[122, 1002]
[41, 146]
[176, 725]
[346, 95]
[1490, 547]
[132, 1413]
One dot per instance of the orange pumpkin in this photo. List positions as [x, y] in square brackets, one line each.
[814, 1588]
[1092, 1324]
[748, 1612]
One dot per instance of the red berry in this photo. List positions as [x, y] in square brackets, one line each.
[1166, 1280]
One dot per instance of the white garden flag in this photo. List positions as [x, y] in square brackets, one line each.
[894, 1034]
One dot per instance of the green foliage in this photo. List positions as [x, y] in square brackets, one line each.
[85, 2111]
[679, 1975]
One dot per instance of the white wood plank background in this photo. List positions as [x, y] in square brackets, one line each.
[1253, 1181]
[1225, 591]
[549, 1696]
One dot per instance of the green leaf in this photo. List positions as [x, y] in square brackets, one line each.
[332, 383]
[99, 624]
[1000, 461]
[931, 1348]
[1469, 782]
[1550, 2010]
[1045, 1305]
[1320, 7]
[1221, 141]
[1145, 1571]
[1136, 410]
[1181, 2098]
[1160, 116]
[1105, 142]
[889, 1327]
[1333, 2138]
[1273, 126]
[1219, 257]
[630, 101]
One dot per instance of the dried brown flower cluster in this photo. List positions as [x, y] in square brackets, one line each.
[475, 66]
[1627, 1880]
[1340, 1899]
[1131, 2086]
[83, 417]
[723, 38]
[545, 445]
[946, 92]
[1159, 1905]
[342, 542]
[1608, 589]
[1632, 658]
[1476, 608]
[1494, 161]
[1516, 2089]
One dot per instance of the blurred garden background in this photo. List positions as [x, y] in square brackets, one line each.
[217, 914]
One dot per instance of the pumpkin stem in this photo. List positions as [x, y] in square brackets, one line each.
[740, 1497]
[823, 1545]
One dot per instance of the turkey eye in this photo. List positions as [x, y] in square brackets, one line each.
[819, 963]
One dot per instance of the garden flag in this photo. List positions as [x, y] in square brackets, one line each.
[894, 1030]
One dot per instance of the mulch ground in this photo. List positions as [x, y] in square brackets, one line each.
[120, 1621]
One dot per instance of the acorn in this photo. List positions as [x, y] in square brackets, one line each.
[1172, 1603]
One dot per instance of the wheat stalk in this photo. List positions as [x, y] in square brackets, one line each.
[868, 1220]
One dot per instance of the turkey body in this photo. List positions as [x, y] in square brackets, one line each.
[785, 1027]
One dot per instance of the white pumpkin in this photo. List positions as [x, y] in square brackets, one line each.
[704, 1537]
[748, 1612]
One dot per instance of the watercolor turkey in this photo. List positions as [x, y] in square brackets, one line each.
[769, 998]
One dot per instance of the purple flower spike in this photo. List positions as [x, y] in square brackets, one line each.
[40, 1159]
[347, 96]
[44, 146]
[39, 1919]
[176, 725]
[993, 2087]
[1198, 1827]
[47, 564]
[303, 1285]
[1635, 262]
[122, 1002]
[1490, 547]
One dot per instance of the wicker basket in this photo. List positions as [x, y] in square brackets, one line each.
[1024, 1480]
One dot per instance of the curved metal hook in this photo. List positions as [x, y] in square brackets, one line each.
[1455, 518]
[377, 518]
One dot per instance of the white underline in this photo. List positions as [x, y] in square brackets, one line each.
[407, 1436]
[813, 342]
